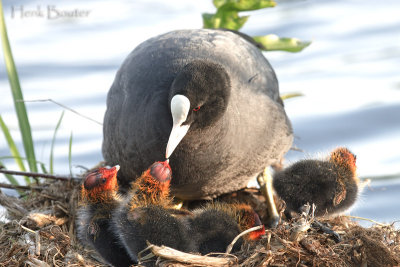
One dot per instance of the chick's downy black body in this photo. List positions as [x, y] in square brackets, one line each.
[213, 231]
[151, 223]
[94, 231]
[214, 227]
[332, 185]
[100, 199]
[206, 99]
[146, 214]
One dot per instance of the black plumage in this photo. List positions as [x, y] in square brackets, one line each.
[151, 223]
[98, 235]
[332, 184]
[215, 226]
[213, 230]
[224, 94]
[146, 214]
[99, 200]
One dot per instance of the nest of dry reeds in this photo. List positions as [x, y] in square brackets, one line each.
[40, 231]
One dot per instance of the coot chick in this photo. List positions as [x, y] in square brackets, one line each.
[332, 184]
[145, 215]
[206, 99]
[99, 198]
[214, 227]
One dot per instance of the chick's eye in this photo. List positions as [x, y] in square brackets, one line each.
[197, 109]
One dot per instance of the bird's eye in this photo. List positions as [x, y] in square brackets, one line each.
[196, 109]
[103, 180]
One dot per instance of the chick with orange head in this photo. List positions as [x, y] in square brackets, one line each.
[214, 227]
[99, 198]
[146, 215]
[331, 184]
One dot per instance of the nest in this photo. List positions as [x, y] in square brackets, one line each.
[40, 231]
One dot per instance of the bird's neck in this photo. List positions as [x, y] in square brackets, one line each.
[98, 196]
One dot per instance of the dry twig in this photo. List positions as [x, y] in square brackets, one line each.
[229, 248]
[196, 260]
[21, 187]
[41, 175]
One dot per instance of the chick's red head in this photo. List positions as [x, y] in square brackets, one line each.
[248, 218]
[342, 157]
[161, 171]
[100, 182]
[156, 178]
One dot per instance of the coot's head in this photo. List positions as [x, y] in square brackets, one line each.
[198, 98]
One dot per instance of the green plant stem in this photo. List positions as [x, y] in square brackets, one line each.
[53, 141]
[70, 155]
[20, 108]
[13, 148]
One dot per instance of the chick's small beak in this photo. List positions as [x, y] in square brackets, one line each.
[180, 105]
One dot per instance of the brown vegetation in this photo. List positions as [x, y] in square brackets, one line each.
[41, 232]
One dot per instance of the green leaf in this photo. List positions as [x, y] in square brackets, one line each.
[227, 15]
[19, 105]
[273, 42]
[70, 155]
[243, 5]
[53, 141]
[208, 21]
[231, 20]
[13, 148]
[43, 167]
[290, 95]
[227, 20]
[22, 158]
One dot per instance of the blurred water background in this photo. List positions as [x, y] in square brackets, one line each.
[349, 76]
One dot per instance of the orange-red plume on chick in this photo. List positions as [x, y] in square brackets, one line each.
[153, 186]
[156, 179]
[100, 185]
[343, 157]
[346, 163]
[248, 218]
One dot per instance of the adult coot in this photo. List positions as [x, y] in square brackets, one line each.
[208, 96]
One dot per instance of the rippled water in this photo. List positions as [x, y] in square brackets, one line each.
[349, 76]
